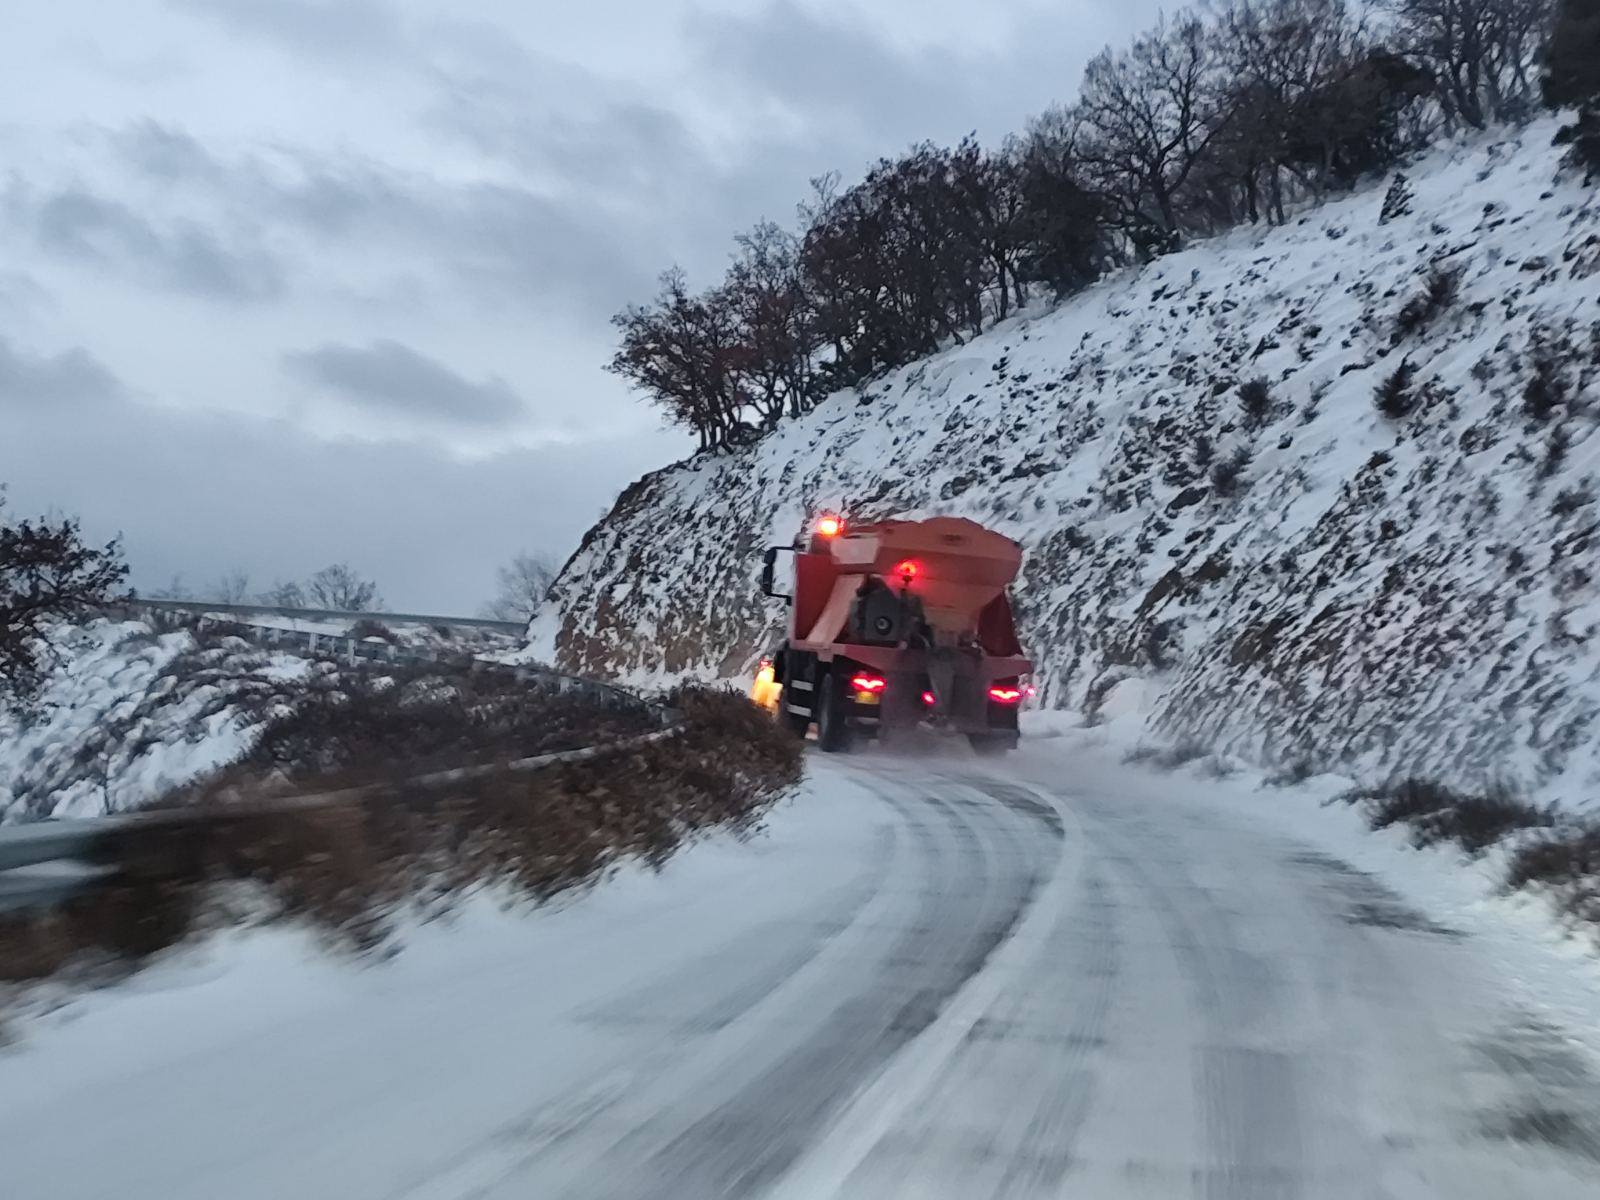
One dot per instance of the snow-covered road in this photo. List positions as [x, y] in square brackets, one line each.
[931, 978]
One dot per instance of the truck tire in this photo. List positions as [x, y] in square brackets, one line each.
[833, 731]
[991, 745]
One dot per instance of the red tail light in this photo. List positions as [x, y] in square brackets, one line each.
[868, 683]
[1005, 695]
[929, 699]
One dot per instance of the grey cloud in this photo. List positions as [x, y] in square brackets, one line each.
[500, 242]
[859, 90]
[825, 70]
[73, 377]
[564, 249]
[637, 184]
[391, 379]
[184, 256]
[163, 152]
[621, 147]
[87, 45]
[22, 296]
[255, 493]
[325, 28]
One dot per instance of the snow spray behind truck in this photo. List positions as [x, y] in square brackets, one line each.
[898, 624]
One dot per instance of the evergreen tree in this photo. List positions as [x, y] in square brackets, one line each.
[1397, 200]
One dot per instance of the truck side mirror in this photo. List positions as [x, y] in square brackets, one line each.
[769, 562]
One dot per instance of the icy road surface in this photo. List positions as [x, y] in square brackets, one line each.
[933, 978]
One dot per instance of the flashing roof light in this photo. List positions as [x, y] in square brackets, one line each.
[830, 527]
[908, 570]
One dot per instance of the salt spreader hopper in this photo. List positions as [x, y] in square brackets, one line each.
[894, 625]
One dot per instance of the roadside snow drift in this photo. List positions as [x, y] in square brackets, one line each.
[1303, 576]
[130, 712]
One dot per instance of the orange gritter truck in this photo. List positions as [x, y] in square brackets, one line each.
[894, 625]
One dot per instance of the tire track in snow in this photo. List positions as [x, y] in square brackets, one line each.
[677, 1010]
[1001, 1116]
[1249, 1096]
[972, 891]
[707, 1119]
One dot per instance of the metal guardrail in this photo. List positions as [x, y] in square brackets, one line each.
[48, 862]
[357, 650]
[44, 863]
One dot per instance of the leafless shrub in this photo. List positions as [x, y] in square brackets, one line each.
[1394, 396]
[1548, 388]
[1556, 445]
[413, 718]
[1567, 862]
[1255, 400]
[368, 627]
[353, 869]
[1571, 500]
[1227, 474]
[1166, 758]
[1291, 775]
[1439, 292]
[1094, 699]
[1437, 813]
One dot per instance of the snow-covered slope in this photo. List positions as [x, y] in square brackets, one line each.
[130, 712]
[1377, 594]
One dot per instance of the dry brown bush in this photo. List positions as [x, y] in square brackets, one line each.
[352, 868]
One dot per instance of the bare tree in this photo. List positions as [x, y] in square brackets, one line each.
[1065, 244]
[898, 264]
[776, 325]
[339, 587]
[520, 587]
[684, 351]
[284, 595]
[1146, 118]
[232, 588]
[1482, 53]
[1277, 56]
[176, 589]
[48, 574]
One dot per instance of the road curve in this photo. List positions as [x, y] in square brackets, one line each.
[952, 983]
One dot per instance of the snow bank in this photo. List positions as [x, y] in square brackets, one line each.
[1377, 595]
[1549, 961]
[129, 713]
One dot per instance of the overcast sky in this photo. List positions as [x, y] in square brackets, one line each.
[291, 281]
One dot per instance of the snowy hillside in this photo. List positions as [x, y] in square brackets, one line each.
[131, 712]
[1372, 592]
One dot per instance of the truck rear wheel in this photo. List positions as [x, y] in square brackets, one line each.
[833, 731]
